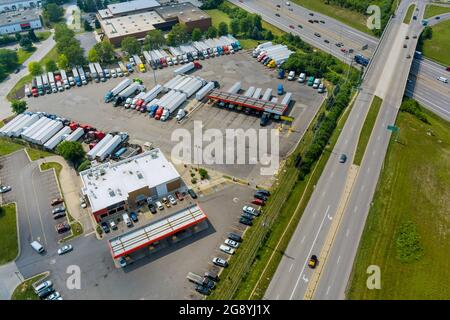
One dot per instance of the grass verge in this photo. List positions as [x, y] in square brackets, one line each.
[409, 13]
[436, 48]
[24, 291]
[23, 55]
[8, 233]
[36, 154]
[8, 146]
[432, 10]
[413, 190]
[366, 130]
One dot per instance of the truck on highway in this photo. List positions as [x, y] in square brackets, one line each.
[100, 72]
[94, 74]
[109, 96]
[361, 60]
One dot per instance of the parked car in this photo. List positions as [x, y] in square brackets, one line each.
[166, 202]
[263, 192]
[226, 249]
[4, 189]
[212, 275]
[152, 208]
[134, 216]
[250, 210]
[105, 227]
[260, 196]
[57, 201]
[247, 216]
[202, 289]
[113, 225]
[43, 285]
[65, 249]
[62, 227]
[159, 205]
[58, 209]
[258, 202]
[59, 215]
[231, 243]
[45, 292]
[234, 237]
[179, 196]
[245, 221]
[172, 199]
[192, 194]
[220, 262]
[55, 295]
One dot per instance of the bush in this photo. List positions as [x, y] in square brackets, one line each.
[194, 180]
[407, 243]
[203, 173]
[413, 107]
[86, 164]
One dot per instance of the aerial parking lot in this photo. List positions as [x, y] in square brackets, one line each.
[85, 104]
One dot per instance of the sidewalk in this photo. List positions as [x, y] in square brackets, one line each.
[9, 275]
[70, 185]
[5, 87]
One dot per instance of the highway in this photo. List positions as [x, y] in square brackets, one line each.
[333, 221]
[334, 32]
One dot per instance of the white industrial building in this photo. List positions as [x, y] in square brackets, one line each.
[13, 5]
[112, 188]
[20, 21]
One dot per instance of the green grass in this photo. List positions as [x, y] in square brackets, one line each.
[218, 16]
[434, 10]
[43, 35]
[52, 165]
[366, 130]
[414, 187]
[409, 13]
[7, 147]
[8, 233]
[25, 290]
[24, 55]
[436, 48]
[36, 154]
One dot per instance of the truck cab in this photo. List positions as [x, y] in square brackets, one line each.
[280, 89]
[281, 73]
[159, 113]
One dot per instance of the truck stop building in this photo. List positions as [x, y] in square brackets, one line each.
[20, 21]
[113, 188]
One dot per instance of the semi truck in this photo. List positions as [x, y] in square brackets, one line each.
[76, 76]
[250, 91]
[11, 123]
[46, 83]
[184, 69]
[260, 47]
[132, 89]
[51, 81]
[173, 104]
[40, 85]
[287, 99]
[16, 130]
[45, 135]
[172, 82]
[139, 63]
[93, 152]
[109, 96]
[100, 72]
[149, 96]
[94, 74]
[123, 69]
[204, 91]
[34, 127]
[65, 80]
[110, 146]
[57, 138]
[82, 75]
[257, 93]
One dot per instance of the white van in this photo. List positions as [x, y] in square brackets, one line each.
[321, 88]
[301, 77]
[443, 79]
[291, 75]
[316, 83]
[37, 246]
[127, 220]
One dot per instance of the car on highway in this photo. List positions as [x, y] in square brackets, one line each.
[405, 46]
[342, 158]
[443, 79]
[220, 262]
[231, 243]
[226, 249]
[350, 50]
[408, 56]
[407, 37]
[277, 14]
[312, 263]
[291, 26]
[326, 41]
[65, 249]
[4, 189]
[344, 50]
[104, 227]
[317, 34]
[300, 26]
[311, 21]
[448, 69]
[339, 44]
[56, 201]
[437, 18]
[322, 21]
[311, 14]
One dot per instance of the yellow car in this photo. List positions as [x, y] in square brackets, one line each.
[313, 261]
[142, 67]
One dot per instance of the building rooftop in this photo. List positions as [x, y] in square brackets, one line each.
[22, 16]
[110, 183]
[131, 24]
[185, 12]
[130, 6]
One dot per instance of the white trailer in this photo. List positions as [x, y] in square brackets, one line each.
[94, 74]
[257, 93]
[57, 138]
[39, 133]
[17, 125]
[165, 99]
[193, 88]
[82, 75]
[130, 90]
[147, 57]
[75, 135]
[168, 85]
[274, 100]
[287, 99]
[93, 152]
[109, 147]
[204, 91]
[65, 80]
[117, 89]
[235, 88]
[50, 133]
[176, 83]
[181, 84]
[34, 128]
[12, 123]
[184, 69]
[17, 130]
[150, 95]
[100, 72]
[250, 91]
[267, 94]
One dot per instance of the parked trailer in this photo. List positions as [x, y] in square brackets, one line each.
[182, 83]
[168, 85]
[76, 135]
[184, 69]
[17, 130]
[100, 72]
[40, 132]
[40, 85]
[109, 148]
[51, 80]
[176, 83]
[189, 91]
[31, 130]
[49, 133]
[65, 79]
[93, 152]
[16, 125]
[82, 75]
[166, 98]
[147, 57]
[12, 123]
[174, 103]
[250, 91]
[123, 68]
[117, 89]
[94, 74]
[150, 95]
[204, 91]
[186, 85]
[130, 90]
[235, 88]
[76, 75]
[257, 93]
[46, 83]
[195, 278]
[267, 94]
[57, 138]
[287, 99]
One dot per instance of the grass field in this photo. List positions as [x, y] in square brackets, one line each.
[366, 130]
[409, 13]
[218, 16]
[8, 233]
[23, 55]
[7, 147]
[43, 35]
[436, 48]
[36, 154]
[414, 187]
[25, 290]
[434, 10]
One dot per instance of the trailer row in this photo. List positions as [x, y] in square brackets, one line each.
[271, 55]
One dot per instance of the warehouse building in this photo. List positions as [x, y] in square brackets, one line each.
[19, 21]
[137, 18]
[113, 188]
[13, 5]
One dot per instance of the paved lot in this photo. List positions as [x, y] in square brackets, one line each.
[32, 190]
[160, 276]
[86, 105]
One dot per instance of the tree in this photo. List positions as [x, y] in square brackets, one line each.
[93, 55]
[72, 151]
[212, 32]
[53, 13]
[105, 52]
[87, 26]
[154, 40]
[50, 66]
[223, 29]
[130, 45]
[196, 34]
[234, 26]
[18, 106]
[178, 35]
[35, 68]
[63, 62]
[32, 35]
[97, 24]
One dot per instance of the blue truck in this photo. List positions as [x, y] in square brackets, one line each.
[281, 73]
[280, 89]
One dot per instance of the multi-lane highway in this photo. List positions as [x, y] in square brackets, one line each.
[425, 87]
[333, 221]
